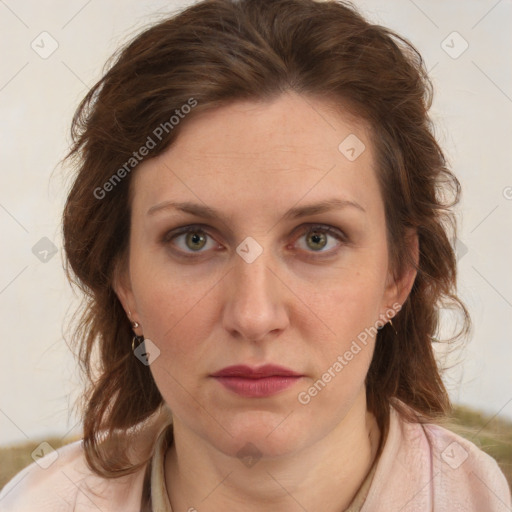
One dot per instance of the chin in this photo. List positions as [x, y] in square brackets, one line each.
[261, 433]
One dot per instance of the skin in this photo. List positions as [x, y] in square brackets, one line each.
[291, 306]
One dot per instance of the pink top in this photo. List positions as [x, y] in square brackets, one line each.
[422, 468]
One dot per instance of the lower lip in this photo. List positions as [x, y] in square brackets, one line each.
[265, 386]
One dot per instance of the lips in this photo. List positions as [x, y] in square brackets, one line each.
[264, 381]
[267, 370]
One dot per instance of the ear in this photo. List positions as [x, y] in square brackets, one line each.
[399, 286]
[122, 287]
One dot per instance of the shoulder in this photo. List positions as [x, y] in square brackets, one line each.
[46, 484]
[425, 467]
[462, 466]
[462, 476]
[61, 481]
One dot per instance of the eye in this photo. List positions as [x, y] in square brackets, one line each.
[194, 238]
[317, 238]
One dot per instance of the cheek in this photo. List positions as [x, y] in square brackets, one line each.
[177, 319]
[351, 299]
[349, 308]
[340, 357]
[176, 309]
[166, 294]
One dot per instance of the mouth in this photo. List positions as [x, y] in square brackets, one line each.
[258, 382]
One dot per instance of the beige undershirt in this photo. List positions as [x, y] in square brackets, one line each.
[160, 497]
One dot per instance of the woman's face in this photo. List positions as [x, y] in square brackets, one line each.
[250, 285]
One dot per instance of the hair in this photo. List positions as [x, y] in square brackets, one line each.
[209, 55]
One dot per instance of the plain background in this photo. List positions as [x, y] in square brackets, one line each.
[472, 112]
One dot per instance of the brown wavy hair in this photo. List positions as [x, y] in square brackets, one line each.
[217, 52]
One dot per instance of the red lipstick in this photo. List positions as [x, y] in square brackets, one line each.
[262, 381]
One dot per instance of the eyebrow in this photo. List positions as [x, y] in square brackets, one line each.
[207, 212]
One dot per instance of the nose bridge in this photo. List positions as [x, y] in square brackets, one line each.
[252, 276]
[254, 306]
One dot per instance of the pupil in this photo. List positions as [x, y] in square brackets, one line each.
[316, 238]
[196, 239]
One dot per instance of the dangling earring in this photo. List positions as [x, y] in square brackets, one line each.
[391, 323]
[137, 340]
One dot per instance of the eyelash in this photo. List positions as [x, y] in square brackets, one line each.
[309, 228]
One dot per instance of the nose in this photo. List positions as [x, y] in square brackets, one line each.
[256, 299]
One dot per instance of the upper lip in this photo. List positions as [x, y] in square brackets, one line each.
[267, 370]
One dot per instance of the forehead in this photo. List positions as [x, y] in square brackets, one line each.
[262, 154]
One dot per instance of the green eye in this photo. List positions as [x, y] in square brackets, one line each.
[194, 238]
[319, 239]
[196, 241]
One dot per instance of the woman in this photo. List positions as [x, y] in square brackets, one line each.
[260, 225]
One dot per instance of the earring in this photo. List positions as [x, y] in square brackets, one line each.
[138, 340]
[133, 324]
[391, 323]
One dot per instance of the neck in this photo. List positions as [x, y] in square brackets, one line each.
[327, 474]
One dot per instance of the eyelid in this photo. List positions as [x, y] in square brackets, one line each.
[326, 228]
